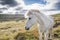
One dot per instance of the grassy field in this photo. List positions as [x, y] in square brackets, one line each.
[12, 30]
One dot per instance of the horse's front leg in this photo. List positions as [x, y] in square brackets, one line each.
[40, 36]
[50, 34]
[46, 35]
[40, 32]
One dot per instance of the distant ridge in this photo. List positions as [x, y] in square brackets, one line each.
[8, 17]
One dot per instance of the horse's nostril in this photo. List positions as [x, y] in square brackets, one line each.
[26, 28]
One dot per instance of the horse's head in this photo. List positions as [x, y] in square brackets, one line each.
[31, 19]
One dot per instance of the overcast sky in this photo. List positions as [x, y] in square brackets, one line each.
[21, 6]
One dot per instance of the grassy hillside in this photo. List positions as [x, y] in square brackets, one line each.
[12, 30]
[56, 15]
[10, 17]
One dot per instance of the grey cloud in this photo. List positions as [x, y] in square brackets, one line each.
[18, 8]
[1, 12]
[4, 8]
[8, 2]
[57, 5]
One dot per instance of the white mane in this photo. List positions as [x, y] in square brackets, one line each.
[30, 12]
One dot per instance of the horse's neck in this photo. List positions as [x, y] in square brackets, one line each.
[40, 15]
[42, 18]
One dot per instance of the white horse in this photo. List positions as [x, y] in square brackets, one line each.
[45, 23]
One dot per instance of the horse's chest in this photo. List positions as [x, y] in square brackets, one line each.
[42, 29]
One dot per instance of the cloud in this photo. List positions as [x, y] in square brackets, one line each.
[51, 12]
[19, 6]
[52, 7]
[8, 2]
[11, 6]
[57, 5]
[1, 12]
[53, 4]
[3, 8]
[34, 6]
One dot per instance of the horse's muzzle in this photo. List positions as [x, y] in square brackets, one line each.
[26, 28]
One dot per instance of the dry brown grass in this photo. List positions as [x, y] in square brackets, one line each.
[10, 29]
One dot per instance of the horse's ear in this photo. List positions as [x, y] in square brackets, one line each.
[29, 13]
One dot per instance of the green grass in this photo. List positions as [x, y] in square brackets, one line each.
[56, 15]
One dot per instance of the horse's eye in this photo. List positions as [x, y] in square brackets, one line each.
[29, 18]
